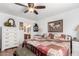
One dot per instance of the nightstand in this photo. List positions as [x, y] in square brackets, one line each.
[75, 47]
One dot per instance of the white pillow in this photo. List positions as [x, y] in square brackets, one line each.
[56, 36]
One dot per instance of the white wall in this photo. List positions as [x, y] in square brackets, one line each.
[4, 17]
[70, 18]
[70, 21]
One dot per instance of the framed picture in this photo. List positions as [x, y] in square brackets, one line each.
[24, 28]
[20, 25]
[55, 26]
[28, 29]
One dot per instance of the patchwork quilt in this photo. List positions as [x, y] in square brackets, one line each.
[50, 47]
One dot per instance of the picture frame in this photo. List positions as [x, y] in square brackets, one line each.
[55, 26]
[20, 25]
[10, 23]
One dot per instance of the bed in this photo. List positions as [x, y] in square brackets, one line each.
[44, 47]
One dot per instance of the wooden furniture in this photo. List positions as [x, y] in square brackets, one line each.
[75, 47]
[27, 36]
[8, 37]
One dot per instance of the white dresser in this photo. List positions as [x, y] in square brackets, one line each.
[8, 37]
[75, 47]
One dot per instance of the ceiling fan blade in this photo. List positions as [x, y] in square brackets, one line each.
[35, 12]
[26, 11]
[40, 7]
[31, 5]
[20, 4]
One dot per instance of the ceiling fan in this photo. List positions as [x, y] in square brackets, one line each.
[31, 7]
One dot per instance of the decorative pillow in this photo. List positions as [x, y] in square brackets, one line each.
[61, 39]
[37, 37]
[57, 36]
[44, 36]
[50, 36]
[63, 36]
[68, 37]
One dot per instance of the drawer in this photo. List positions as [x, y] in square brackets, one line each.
[9, 31]
[75, 51]
[6, 41]
[13, 35]
[6, 38]
[75, 44]
[75, 48]
[6, 34]
[8, 46]
[15, 40]
[15, 44]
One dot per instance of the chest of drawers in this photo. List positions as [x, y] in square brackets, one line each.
[8, 37]
[75, 48]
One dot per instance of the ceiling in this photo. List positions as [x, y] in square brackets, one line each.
[51, 9]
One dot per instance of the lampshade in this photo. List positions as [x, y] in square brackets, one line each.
[77, 28]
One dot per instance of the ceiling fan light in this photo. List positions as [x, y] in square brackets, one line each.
[31, 9]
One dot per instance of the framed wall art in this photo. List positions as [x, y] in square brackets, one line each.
[20, 25]
[10, 23]
[35, 27]
[24, 28]
[55, 26]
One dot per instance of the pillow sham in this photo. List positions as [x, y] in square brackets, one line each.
[50, 36]
[57, 36]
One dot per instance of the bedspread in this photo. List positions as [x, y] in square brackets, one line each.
[51, 48]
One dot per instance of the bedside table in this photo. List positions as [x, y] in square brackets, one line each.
[75, 47]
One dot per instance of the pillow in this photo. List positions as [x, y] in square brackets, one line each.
[57, 36]
[68, 37]
[44, 36]
[37, 37]
[50, 36]
[63, 36]
[61, 39]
